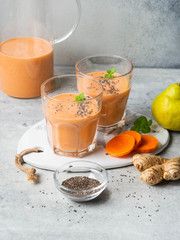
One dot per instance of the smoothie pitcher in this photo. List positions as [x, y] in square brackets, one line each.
[27, 35]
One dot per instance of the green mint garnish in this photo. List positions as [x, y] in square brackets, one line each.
[80, 97]
[110, 73]
[142, 125]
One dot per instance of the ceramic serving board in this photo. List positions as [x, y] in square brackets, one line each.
[36, 136]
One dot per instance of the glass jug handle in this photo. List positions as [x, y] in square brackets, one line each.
[65, 36]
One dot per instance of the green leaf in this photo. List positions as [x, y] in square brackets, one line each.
[113, 70]
[146, 129]
[80, 97]
[141, 120]
[141, 124]
[107, 76]
[149, 122]
[134, 128]
[110, 73]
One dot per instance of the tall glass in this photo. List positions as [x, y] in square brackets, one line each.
[116, 89]
[29, 29]
[71, 118]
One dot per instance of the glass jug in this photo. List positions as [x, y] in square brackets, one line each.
[29, 29]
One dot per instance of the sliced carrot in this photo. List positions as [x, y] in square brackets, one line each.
[120, 145]
[136, 135]
[149, 144]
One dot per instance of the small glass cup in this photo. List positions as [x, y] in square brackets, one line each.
[81, 169]
[115, 90]
[71, 122]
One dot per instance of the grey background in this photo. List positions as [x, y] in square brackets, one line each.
[145, 31]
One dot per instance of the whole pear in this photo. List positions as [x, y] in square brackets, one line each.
[166, 108]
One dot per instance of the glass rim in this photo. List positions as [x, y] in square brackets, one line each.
[105, 55]
[43, 92]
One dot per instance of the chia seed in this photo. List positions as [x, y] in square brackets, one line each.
[81, 183]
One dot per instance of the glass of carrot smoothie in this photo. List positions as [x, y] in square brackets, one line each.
[115, 75]
[72, 109]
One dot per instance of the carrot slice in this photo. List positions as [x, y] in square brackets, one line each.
[136, 135]
[120, 145]
[149, 144]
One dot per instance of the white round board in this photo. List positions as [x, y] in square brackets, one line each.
[36, 136]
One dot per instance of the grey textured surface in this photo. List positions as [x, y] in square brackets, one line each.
[145, 31]
[128, 209]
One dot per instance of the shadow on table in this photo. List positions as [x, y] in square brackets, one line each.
[102, 198]
[168, 183]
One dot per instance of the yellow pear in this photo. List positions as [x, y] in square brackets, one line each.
[166, 108]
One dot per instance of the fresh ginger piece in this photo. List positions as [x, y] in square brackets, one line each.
[152, 175]
[155, 168]
[142, 162]
[172, 169]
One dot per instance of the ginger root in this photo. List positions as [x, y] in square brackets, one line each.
[31, 176]
[156, 168]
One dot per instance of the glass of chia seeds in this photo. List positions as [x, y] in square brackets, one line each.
[81, 180]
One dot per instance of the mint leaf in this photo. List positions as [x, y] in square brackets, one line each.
[80, 97]
[134, 129]
[146, 129]
[141, 120]
[106, 76]
[113, 70]
[142, 125]
[149, 122]
[110, 73]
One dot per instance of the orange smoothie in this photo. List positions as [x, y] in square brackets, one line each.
[115, 95]
[25, 63]
[71, 125]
